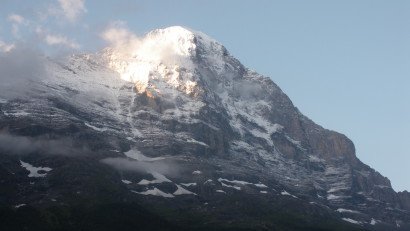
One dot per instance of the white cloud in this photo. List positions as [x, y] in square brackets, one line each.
[72, 8]
[61, 40]
[6, 47]
[121, 38]
[52, 39]
[17, 21]
[15, 18]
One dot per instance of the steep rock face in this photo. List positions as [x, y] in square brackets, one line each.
[404, 200]
[182, 97]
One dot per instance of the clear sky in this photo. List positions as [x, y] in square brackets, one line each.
[345, 64]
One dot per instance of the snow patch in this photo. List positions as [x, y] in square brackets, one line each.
[239, 182]
[137, 155]
[337, 189]
[154, 192]
[341, 210]
[315, 159]
[126, 181]
[264, 192]
[159, 178]
[284, 193]
[220, 191]
[234, 181]
[352, 221]
[230, 186]
[181, 191]
[16, 114]
[34, 170]
[20, 205]
[197, 172]
[330, 170]
[191, 140]
[95, 128]
[335, 197]
[208, 181]
[3, 100]
[188, 184]
[297, 143]
[260, 185]
[373, 222]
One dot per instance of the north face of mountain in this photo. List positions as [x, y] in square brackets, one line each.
[181, 125]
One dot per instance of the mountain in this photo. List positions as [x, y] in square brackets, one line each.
[180, 132]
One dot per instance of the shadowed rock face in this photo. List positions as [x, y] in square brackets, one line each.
[404, 200]
[205, 119]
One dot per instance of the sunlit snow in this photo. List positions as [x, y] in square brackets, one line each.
[167, 52]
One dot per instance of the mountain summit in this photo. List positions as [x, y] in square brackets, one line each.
[176, 124]
[168, 54]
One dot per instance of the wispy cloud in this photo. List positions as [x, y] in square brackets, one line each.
[22, 145]
[17, 20]
[44, 27]
[61, 40]
[56, 40]
[4, 47]
[167, 167]
[72, 8]
[120, 38]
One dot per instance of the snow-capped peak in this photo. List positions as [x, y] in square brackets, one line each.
[170, 41]
[166, 54]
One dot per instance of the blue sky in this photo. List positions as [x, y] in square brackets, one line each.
[345, 64]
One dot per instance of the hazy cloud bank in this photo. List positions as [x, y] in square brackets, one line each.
[23, 145]
[166, 167]
[20, 69]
